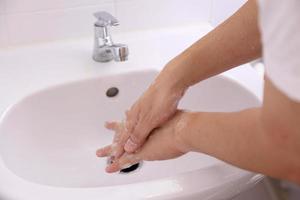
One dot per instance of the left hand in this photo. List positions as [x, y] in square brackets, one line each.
[163, 143]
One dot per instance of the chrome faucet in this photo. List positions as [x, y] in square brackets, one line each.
[104, 48]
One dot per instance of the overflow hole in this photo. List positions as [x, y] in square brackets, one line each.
[112, 92]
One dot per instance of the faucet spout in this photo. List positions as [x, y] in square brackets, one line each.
[120, 52]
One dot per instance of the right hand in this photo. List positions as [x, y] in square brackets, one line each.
[158, 104]
[165, 142]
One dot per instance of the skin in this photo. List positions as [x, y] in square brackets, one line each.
[218, 51]
[257, 139]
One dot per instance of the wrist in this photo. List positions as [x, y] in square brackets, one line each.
[167, 90]
[181, 129]
[172, 77]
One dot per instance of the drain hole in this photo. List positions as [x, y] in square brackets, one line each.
[130, 169]
[112, 92]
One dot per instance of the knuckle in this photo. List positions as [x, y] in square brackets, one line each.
[136, 137]
[123, 140]
[128, 125]
[140, 133]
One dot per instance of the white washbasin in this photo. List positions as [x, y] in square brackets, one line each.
[48, 142]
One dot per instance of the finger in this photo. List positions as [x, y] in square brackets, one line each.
[127, 114]
[132, 117]
[112, 125]
[137, 137]
[123, 137]
[124, 162]
[117, 127]
[104, 152]
[119, 151]
[120, 137]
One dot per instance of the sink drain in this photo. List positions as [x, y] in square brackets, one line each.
[130, 169]
[127, 170]
[112, 92]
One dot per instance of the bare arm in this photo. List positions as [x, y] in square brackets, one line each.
[265, 140]
[234, 42]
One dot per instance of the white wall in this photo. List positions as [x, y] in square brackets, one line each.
[222, 9]
[27, 21]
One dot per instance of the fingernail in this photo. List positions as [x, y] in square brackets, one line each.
[111, 169]
[108, 169]
[130, 146]
[99, 153]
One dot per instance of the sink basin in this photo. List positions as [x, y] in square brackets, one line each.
[49, 138]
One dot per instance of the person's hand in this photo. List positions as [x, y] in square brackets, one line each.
[112, 149]
[163, 143]
[153, 108]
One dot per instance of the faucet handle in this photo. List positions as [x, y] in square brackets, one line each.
[105, 19]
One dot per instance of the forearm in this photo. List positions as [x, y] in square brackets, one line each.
[234, 42]
[227, 136]
[240, 139]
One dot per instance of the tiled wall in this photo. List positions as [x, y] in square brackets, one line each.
[27, 21]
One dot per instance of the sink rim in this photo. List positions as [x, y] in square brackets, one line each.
[237, 178]
[60, 191]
